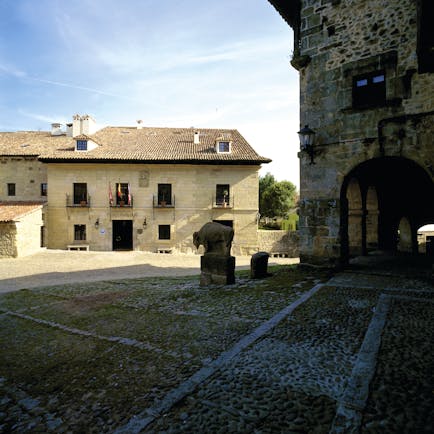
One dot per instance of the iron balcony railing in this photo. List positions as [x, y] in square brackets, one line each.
[162, 202]
[77, 202]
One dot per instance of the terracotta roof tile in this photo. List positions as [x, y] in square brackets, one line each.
[11, 211]
[32, 143]
[133, 144]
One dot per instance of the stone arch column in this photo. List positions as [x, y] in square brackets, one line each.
[371, 218]
[405, 236]
[355, 218]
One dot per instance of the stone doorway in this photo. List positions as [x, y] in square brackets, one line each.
[383, 203]
[122, 235]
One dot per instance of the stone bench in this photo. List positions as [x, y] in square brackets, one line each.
[84, 247]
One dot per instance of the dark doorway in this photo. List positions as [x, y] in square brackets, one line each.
[43, 236]
[122, 235]
[229, 223]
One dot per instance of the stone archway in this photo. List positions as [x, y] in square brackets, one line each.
[396, 194]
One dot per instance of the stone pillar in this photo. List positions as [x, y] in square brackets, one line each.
[259, 265]
[355, 231]
[217, 269]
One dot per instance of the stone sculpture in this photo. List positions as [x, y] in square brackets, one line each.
[217, 265]
[215, 237]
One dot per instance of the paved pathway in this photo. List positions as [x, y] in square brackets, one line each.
[52, 267]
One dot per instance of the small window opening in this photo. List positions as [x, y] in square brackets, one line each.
[79, 232]
[222, 194]
[81, 145]
[164, 232]
[223, 146]
[164, 194]
[44, 189]
[80, 193]
[123, 195]
[11, 189]
[369, 90]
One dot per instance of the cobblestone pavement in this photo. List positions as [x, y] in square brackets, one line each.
[357, 356]
[350, 354]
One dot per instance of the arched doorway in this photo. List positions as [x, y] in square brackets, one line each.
[384, 202]
[425, 239]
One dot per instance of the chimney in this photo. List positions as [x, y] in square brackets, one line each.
[56, 129]
[76, 125]
[196, 138]
[88, 125]
[139, 124]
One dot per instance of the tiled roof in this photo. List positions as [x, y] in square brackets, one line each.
[118, 144]
[32, 143]
[160, 145]
[11, 211]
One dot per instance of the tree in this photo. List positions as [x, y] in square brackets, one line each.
[276, 198]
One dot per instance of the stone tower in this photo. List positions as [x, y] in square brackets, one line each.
[367, 89]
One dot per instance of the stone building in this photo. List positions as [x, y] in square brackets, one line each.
[367, 90]
[21, 228]
[133, 188]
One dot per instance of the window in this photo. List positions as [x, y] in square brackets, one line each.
[164, 232]
[11, 189]
[44, 189]
[80, 193]
[81, 145]
[223, 146]
[123, 195]
[164, 194]
[222, 195]
[79, 232]
[369, 90]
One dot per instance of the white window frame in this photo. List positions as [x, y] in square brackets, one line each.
[223, 141]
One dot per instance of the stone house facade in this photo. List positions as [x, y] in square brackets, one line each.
[21, 228]
[134, 188]
[367, 90]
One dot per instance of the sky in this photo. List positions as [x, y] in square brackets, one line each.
[170, 63]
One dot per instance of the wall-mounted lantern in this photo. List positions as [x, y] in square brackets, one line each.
[145, 223]
[307, 138]
[97, 223]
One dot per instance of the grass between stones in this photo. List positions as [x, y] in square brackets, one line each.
[87, 357]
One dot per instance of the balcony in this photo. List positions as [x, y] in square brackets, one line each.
[121, 203]
[222, 202]
[163, 203]
[76, 202]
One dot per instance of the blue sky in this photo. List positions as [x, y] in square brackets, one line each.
[173, 63]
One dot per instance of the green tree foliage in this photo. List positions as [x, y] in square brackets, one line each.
[276, 198]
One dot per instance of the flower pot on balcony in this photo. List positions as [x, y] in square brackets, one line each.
[163, 203]
[122, 203]
[83, 203]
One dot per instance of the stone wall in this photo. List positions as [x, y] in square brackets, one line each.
[27, 173]
[338, 41]
[8, 245]
[21, 237]
[279, 242]
[28, 237]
